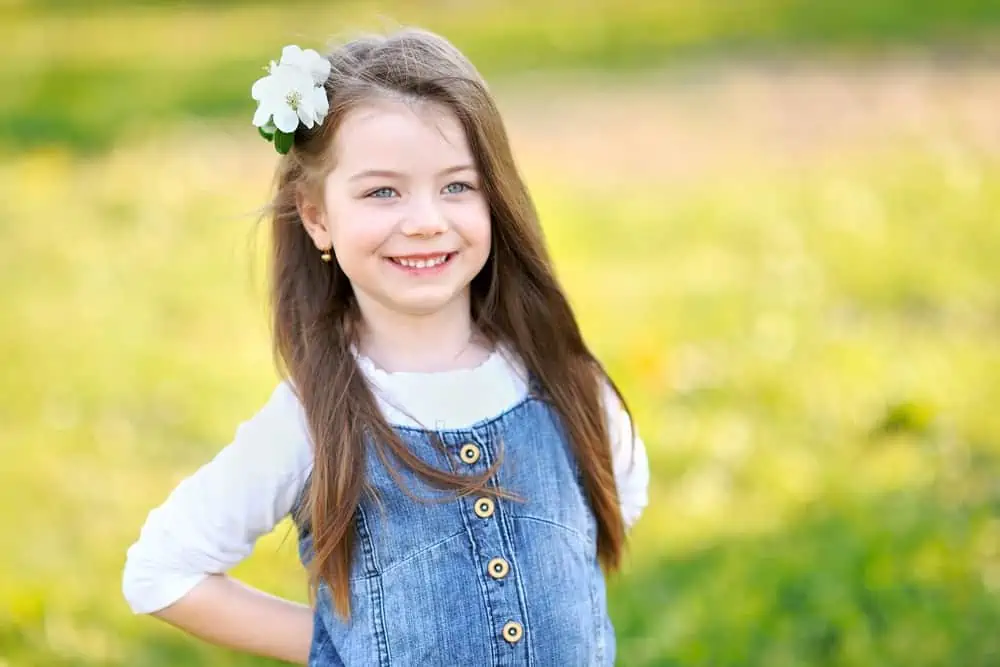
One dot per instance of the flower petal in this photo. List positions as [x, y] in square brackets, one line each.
[291, 55]
[320, 102]
[306, 114]
[285, 118]
[261, 87]
[294, 78]
[319, 67]
[262, 115]
[308, 61]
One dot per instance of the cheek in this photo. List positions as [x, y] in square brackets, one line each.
[476, 228]
[358, 233]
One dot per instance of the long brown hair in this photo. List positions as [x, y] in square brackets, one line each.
[516, 302]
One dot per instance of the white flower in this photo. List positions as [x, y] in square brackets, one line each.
[292, 91]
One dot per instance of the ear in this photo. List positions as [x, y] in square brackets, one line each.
[314, 219]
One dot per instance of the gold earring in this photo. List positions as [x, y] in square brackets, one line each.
[326, 256]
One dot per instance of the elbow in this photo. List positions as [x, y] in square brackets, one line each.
[139, 585]
[135, 590]
[149, 588]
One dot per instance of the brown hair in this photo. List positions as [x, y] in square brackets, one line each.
[516, 302]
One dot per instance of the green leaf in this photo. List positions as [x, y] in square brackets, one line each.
[283, 141]
[268, 129]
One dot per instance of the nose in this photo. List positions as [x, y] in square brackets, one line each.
[424, 218]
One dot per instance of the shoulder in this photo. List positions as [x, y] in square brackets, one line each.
[281, 410]
[276, 436]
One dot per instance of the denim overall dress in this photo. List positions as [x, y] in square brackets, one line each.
[473, 582]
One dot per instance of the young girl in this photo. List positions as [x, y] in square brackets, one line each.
[459, 466]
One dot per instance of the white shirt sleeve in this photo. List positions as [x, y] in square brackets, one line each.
[631, 464]
[212, 519]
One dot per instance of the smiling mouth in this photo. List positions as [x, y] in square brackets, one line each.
[422, 261]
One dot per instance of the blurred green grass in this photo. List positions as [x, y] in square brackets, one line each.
[86, 75]
[811, 353]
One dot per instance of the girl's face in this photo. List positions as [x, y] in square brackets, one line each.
[404, 208]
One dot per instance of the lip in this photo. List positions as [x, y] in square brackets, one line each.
[422, 255]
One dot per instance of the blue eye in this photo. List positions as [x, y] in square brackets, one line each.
[450, 188]
[381, 193]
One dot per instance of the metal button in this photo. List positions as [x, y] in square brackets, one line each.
[484, 508]
[512, 631]
[498, 568]
[469, 453]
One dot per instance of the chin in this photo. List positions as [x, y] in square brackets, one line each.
[423, 304]
[420, 307]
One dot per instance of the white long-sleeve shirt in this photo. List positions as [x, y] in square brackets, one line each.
[210, 522]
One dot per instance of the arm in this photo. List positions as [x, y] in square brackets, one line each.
[629, 459]
[223, 611]
[210, 522]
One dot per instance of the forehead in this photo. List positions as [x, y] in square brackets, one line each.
[391, 134]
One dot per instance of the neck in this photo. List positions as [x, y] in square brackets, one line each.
[402, 342]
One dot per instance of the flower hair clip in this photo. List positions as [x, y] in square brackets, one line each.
[293, 92]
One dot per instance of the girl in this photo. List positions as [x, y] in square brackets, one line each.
[460, 468]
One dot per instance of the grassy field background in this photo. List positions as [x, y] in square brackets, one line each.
[787, 261]
[89, 74]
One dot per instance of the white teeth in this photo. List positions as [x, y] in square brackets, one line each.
[421, 263]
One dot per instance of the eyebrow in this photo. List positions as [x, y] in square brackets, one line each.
[388, 173]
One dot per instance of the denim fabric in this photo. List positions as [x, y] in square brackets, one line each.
[425, 586]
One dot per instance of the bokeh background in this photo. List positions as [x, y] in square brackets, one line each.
[779, 221]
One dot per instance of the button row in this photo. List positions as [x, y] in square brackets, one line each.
[498, 568]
